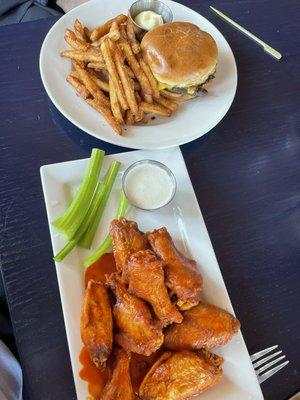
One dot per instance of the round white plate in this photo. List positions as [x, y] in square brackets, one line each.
[193, 119]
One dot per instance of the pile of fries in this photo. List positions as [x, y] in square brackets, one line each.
[111, 75]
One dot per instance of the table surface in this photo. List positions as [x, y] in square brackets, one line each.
[245, 173]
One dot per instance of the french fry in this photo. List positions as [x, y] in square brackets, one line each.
[143, 120]
[155, 109]
[98, 66]
[106, 114]
[138, 72]
[113, 73]
[87, 33]
[114, 103]
[131, 37]
[90, 55]
[139, 116]
[129, 119]
[171, 95]
[114, 33]
[74, 42]
[91, 86]
[104, 29]
[79, 87]
[171, 105]
[147, 97]
[99, 82]
[153, 82]
[138, 97]
[126, 81]
[123, 31]
[129, 72]
[79, 30]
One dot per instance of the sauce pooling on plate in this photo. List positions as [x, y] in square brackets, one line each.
[96, 378]
[149, 185]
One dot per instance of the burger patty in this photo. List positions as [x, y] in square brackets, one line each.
[200, 89]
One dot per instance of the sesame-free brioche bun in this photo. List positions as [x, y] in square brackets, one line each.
[180, 54]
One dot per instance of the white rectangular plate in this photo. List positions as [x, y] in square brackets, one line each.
[185, 223]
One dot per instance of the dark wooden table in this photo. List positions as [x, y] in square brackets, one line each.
[245, 174]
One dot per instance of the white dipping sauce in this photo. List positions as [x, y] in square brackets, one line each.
[148, 186]
[148, 20]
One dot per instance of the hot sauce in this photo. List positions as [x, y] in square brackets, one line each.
[97, 271]
[96, 378]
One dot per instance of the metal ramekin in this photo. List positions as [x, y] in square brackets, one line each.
[149, 5]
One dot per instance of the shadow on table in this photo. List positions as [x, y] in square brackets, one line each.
[87, 142]
[78, 136]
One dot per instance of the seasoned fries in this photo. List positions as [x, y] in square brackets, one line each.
[111, 75]
[90, 55]
[138, 72]
[155, 109]
[104, 29]
[114, 103]
[171, 105]
[106, 114]
[79, 87]
[75, 42]
[80, 33]
[86, 78]
[153, 82]
[131, 37]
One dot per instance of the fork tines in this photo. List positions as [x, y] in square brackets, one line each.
[260, 372]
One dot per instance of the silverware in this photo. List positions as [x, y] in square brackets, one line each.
[268, 49]
[260, 372]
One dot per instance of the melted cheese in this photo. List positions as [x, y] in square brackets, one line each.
[162, 86]
[190, 89]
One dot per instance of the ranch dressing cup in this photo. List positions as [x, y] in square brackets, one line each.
[149, 185]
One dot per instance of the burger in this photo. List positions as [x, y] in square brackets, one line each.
[182, 58]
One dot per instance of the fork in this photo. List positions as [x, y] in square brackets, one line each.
[260, 372]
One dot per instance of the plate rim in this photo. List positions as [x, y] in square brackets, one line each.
[115, 140]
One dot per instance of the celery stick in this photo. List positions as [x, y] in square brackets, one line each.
[65, 251]
[96, 201]
[70, 221]
[106, 244]
[109, 180]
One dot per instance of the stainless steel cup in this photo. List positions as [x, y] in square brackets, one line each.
[149, 5]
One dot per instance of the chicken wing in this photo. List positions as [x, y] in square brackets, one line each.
[138, 333]
[181, 273]
[120, 387]
[203, 326]
[146, 280]
[126, 240]
[180, 375]
[96, 323]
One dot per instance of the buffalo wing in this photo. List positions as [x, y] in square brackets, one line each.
[182, 276]
[96, 323]
[120, 387]
[203, 326]
[146, 280]
[180, 375]
[137, 331]
[126, 240]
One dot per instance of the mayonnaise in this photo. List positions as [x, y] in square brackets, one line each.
[148, 185]
[148, 20]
